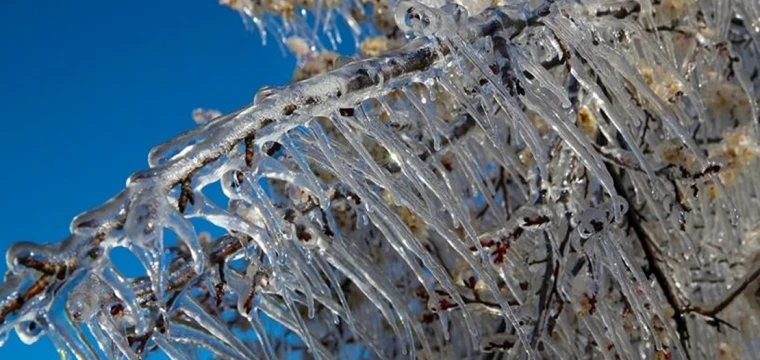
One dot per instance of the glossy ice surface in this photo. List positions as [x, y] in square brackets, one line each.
[551, 179]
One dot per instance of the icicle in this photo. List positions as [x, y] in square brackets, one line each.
[654, 301]
[66, 336]
[492, 132]
[614, 115]
[188, 335]
[118, 283]
[375, 283]
[226, 220]
[261, 201]
[618, 338]
[431, 123]
[277, 312]
[192, 309]
[117, 337]
[306, 335]
[144, 229]
[597, 332]
[593, 219]
[569, 33]
[543, 104]
[507, 102]
[360, 331]
[425, 257]
[155, 267]
[301, 278]
[475, 177]
[349, 316]
[456, 209]
[616, 271]
[400, 232]
[261, 334]
[105, 344]
[169, 349]
[186, 233]
[312, 181]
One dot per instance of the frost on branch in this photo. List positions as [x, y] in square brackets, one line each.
[554, 179]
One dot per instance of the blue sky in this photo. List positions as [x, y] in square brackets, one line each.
[88, 87]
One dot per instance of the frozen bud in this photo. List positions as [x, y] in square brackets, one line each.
[86, 299]
[81, 306]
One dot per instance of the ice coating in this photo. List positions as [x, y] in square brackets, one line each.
[87, 299]
[514, 181]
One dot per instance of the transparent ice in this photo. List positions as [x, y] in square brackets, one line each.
[521, 179]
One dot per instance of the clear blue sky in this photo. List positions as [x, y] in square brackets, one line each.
[88, 87]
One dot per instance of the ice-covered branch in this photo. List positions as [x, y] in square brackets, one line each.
[553, 179]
